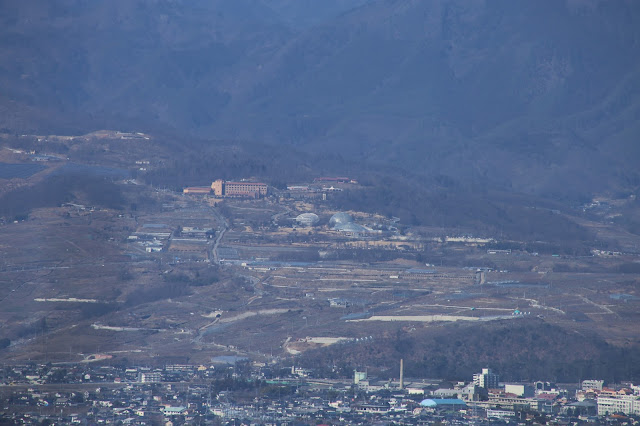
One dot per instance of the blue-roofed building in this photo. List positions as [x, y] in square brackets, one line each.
[174, 411]
[443, 404]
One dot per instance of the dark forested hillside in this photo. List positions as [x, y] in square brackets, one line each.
[517, 95]
[59, 189]
[511, 95]
[518, 350]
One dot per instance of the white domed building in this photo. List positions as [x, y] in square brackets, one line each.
[339, 219]
[307, 219]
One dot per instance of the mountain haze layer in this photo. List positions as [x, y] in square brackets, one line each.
[512, 95]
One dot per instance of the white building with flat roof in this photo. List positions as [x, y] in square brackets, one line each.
[487, 379]
[592, 384]
[150, 377]
[627, 404]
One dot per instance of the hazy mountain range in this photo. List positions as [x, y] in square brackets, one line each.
[519, 95]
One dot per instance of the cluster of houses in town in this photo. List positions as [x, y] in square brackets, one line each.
[187, 394]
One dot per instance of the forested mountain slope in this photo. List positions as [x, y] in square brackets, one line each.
[511, 95]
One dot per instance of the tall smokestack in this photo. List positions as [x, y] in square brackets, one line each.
[401, 374]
